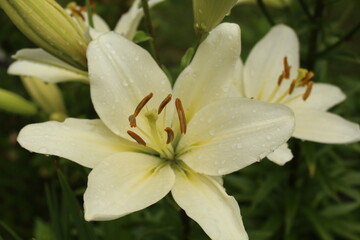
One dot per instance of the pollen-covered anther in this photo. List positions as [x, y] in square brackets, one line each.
[307, 78]
[75, 11]
[170, 135]
[308, 90]
[292, 86]
[142, 104]
[132, 120]
[286, 72]
[181, 114]
[280, 79]
[136, 137]
[164, 103]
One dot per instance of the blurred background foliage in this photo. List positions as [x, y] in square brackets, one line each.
[315, 196]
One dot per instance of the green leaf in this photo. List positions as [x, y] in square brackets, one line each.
[10, 231]
[319, 224]
[43, 231]
[84, 229]
[186, 59]
[141, 36]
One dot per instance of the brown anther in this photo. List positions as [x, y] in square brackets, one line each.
[287, 68]
[307, 78]
[136, 137]
[181, 114]
[170, 135]
[308, 90]
[142, 104]
[292, 86]
[164, 103]
[280, 79]
[132, 121]
[77, 12]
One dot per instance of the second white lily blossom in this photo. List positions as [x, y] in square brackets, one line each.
[271, 74]
[152, 139]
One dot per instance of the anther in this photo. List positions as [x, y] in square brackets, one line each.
[136, 137]
[308, 90]
[170, 135]
[280, 79]
[132, 121]
[292, 86]
[287, 68]
[142, 104]
[181, 114]
[164, 103]
[307, 78]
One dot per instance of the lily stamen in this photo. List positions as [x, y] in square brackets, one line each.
[308, 90]
[280, 79]
[132, 120]
[170, 135]
[142, 104]
[308, 77]
[136, 137]
[181, 114]
[292, 86]
[286, 72]
[164, 103]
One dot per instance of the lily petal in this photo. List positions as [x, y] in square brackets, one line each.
[86, 142]
[121, 75]
[40, 64]
[324, 127]
[129, 22]
[206, 201]
[125, 183]
[281, 155]
[265, 62]
[210, 74]
[232, 133]
[323, 96]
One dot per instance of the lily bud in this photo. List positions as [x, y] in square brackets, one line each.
[47, 95]
[14, 103]
[47, 24]
[209, 13]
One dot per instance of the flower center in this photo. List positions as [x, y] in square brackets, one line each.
[154, 132]
[302, 80]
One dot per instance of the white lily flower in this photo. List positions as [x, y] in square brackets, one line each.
[147, 144]
[40, 64]
[271, 74]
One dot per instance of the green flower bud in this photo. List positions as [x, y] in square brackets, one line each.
[47, 95]
[48, 25]
[209, 13]
[14, 103]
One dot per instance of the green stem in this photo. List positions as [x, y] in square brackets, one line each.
[265, 11]
[339, 42]
[89, 13]
[314, 35]
[150, 29]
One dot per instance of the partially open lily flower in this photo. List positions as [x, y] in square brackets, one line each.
[151, 139]
[272, 74]
[40, 64]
